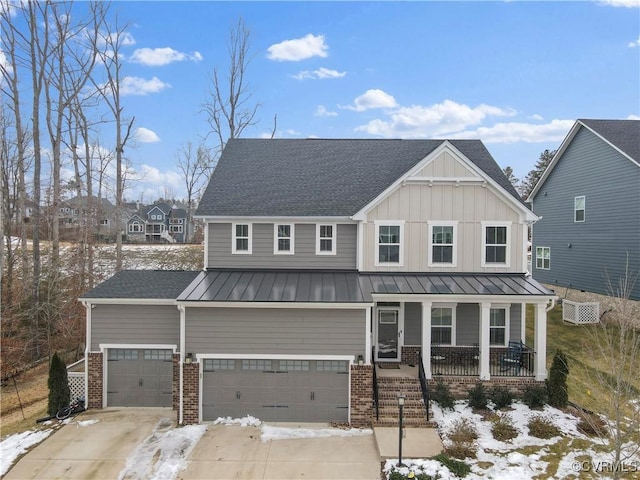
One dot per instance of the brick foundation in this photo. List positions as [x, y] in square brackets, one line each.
[410, 355]
[191, 392]
[361, 395]
[94, 395]
[176, 382]
[460, 386]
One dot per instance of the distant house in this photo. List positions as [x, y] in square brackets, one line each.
[326, 260]
[589, 203]
[96, 213]
[158, 223]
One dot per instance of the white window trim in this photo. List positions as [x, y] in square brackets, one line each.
[175, 228]
[291, 238]
[575, 209]
[542, 259]
[507, 323]
[234, 249]
[454, 258]
[378, 224]
[334, 236]
[453, 307]
[483, 253]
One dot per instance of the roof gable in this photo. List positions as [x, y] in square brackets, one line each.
[313, 177]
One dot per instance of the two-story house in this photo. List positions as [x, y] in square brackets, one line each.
[327, 263]
[156, 223]
[588, 199]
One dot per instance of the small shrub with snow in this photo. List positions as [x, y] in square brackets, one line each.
[458, 468]
[462, 438]
[442, 395]
[535, 396]
[542, 427]
[478, 398]
[503, 428]
[591, 424]
[396, 475]
[501, 397]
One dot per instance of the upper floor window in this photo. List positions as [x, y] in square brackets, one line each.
[579, 209]
[495, 248]
[326, 239]
[389, 243]
[442, 249]
[283, 240]
[443, 325]
[104, 221]
[498, 326]
[241, 241]
[543, 258]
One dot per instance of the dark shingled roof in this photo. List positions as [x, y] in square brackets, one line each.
[156, 284]
[624, 134]
[348, 287]
[320, 177]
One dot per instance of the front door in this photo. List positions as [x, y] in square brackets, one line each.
[388, 334]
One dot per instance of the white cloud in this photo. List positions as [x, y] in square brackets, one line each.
[141, 86]
[126, 39]
[635, 44]
[622, 3]
[438, 119]
[144, 135]
[321, 111]
[514, 132]
[535, 116]
[298, 49]
[633, 117]
[321, 73]
[372, 98]
[156, 57]
[4, 63]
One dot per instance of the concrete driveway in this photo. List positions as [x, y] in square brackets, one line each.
[99, 450]
[96, 451]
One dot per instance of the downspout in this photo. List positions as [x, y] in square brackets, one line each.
[181, 308]
[553, 304]
[87, 349]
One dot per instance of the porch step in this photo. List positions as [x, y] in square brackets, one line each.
[406, 422]
[413, 413]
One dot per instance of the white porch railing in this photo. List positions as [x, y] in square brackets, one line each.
[76, 375]
[580, 313]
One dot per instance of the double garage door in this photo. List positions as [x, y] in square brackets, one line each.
[276, 390]
[139, 377]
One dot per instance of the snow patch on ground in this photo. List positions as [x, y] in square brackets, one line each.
[15, 445]
[283, 433]
[86, 423]
[247, 421]
[164, 453]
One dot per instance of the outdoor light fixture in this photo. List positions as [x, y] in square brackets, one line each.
[189, 358]
[400, 406]
[360, 360]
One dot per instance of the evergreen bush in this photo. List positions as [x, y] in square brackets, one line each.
[59, 393]
[478, 398]
[501, 397]
[534, 396]
[442, 395]
[557, 381]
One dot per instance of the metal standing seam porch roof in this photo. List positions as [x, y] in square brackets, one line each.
[347, 286]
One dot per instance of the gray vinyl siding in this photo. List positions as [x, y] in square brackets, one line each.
[129, 324]
[467, 323]
[275, 331]
[262, 256]
[582, 254]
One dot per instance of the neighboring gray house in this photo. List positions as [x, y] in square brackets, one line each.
[156, 223]
[589, 203]
[325, 260]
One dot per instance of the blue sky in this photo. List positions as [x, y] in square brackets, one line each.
[514, 74]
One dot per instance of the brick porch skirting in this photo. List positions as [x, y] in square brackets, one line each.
[460, 386]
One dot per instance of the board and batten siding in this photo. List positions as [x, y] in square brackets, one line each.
[275, 331]
[131, 324]
[262, 256]
[467, 204]
[583, 254]
[467, 323]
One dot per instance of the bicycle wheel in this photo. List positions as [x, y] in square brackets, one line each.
[63, 413]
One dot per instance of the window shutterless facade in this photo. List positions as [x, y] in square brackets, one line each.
[442, 244]
[241, 241]
[389, 238]
[543, 258]
[498, 326]
[579, 209]
[326, 239]
[284, 239]
[442, 326]
[495, 244]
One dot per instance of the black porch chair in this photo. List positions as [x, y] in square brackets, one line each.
[512, 358]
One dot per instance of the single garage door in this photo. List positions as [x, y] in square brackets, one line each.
[276, 390]
[139, 377]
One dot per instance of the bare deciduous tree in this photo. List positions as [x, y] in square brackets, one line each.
[193, 165]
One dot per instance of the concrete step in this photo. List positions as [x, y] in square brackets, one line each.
[416, 443]
[406, 422]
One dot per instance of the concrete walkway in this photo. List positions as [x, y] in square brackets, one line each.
[416, 443]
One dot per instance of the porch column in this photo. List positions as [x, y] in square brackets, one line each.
[426, 338]
[523, 323]
[367, 336]
[540, 344]
[485, 313]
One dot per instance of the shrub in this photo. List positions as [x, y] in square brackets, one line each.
[535, 396]
[542, 427]
[442, 395]
[478, 399]
[591, 424]
[458, 468]
[396, 475]
[461, 450]
[557, 381]
[462, 430]
[503, 428]
[501, 397]
[59, 393]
